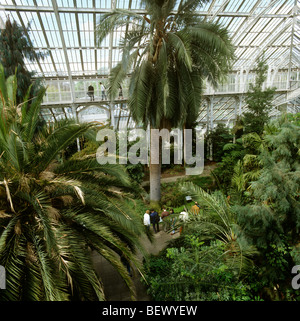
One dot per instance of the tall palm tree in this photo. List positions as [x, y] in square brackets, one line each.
[170, 52]
[53, 213]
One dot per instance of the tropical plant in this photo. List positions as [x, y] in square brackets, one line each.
[240, 164]
[52, 214]
[210, 261]
[170, 52]
[259, 101]
[272, 220]
[219, 221]
[15, 46]
[220, 136]
[277, 188]
[248, 168]
[293, 118]
[233, 152]
[172, 195]
[195, 272]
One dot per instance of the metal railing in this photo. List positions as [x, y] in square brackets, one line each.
[232, 88]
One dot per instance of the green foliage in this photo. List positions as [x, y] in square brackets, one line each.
[219, 137]
[240, 165]
[182, 49]
[204, 182]
[277, 257]
[293, 118]
[248, 249]
[52, 213]
[232, 154]
[276, 191]
[14, 47]
[172, 195]
[271, 220]
[136, 172]
[209, 261]
[259, 101]
[90, 146]
[195, 272]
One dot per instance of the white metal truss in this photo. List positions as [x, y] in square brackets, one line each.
[66, 30]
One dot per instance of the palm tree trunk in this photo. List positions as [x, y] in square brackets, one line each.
[155, 169]
[156, 161]
[155, 173]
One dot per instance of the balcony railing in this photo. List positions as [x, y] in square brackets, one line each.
[59, 97]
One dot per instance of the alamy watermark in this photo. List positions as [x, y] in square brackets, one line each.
[188, 146]
[2, 278]
[295, 283]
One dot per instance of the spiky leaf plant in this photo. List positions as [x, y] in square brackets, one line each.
[219, 221]
[52, 214]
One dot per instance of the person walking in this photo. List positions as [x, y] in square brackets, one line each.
[91, 93]
[147, 220]
[184, 217]
[166, 220]
[154, 219]
[172, 221]
[103, 91]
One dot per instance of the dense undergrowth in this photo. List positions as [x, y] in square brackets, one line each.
[245, 241]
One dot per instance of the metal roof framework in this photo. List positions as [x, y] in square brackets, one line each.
[66, 30]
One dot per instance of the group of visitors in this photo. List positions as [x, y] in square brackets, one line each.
[90, 92]
[151, 217]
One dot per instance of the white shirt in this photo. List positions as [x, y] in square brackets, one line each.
[146, 219]
[184, 216]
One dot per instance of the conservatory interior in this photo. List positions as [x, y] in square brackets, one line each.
[74, 227]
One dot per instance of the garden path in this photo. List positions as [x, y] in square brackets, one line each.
[114, 287]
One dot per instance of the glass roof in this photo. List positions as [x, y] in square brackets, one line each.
[65, 29]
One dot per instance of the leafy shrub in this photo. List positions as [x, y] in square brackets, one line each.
[171, 195]
[195, 272]
[135, 171]
[219, 137]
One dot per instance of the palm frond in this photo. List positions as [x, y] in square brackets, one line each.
[120, 71]
[12, 258]
[57, 141]
[48, 272]
[238, 179]
[112, 20]
[180, 42]
[40, 204]
[140, 91]
[30, 119]
[77, 264]
[11, 85]
[216, 204]
[3, 89]
[189, 6]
